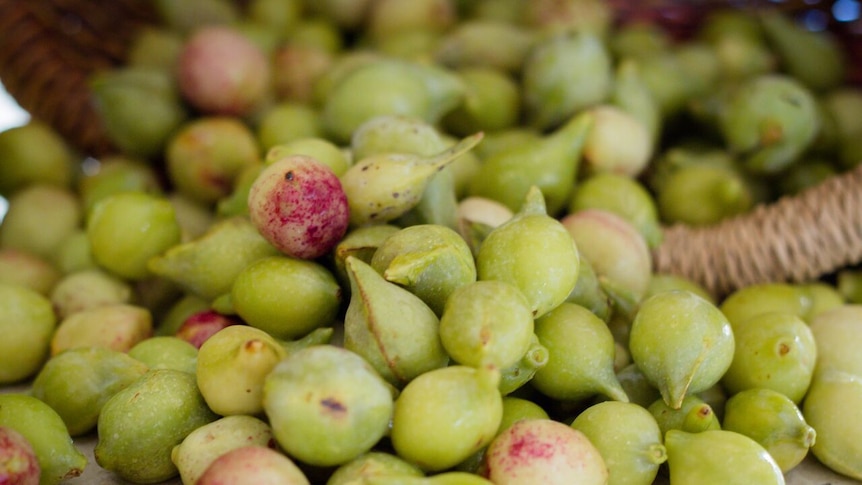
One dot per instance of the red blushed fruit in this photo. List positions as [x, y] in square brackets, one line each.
[200, 326]
[297, 204]
[18, 463]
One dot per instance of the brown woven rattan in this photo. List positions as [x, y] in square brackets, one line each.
[48, 50]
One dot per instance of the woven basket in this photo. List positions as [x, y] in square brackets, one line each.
[48, 48]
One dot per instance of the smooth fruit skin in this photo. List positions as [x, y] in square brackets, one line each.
[543, 451]
[682, 343]
[299, 206]
[719, 457]
[833, 407]
[253, 465]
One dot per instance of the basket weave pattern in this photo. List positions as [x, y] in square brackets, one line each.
[49, 49]
[795, 239]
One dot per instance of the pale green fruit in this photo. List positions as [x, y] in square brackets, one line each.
[581, 355]
[126, 229]
[516, 409]
[385, 186]
[326, 405]
[208, 265]
[833, 407]
[27, 322]
[838, 334]
[429, 260]
[78, 382]
[39, 218]
[87, 289]
[44, 429]
[682, 343]
[390, 327]
[535, 253]
[693, 416]
[627, 437]
[286, 297]
[140, 425]
[774, 351]
[119, 327]
[205, 444]
[232, 366]
[166, 352]
[718, 457]
[774, 421]
[486, 323]
[445, 415]
[751, 300]
[367, 466]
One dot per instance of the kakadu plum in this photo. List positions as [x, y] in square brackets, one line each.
[298, 204]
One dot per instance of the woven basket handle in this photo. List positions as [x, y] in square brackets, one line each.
[794, 239]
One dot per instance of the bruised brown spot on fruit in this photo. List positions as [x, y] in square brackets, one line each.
[289, 175]
[333, 405]
[705, 411]
[783, 349]
[253, 345]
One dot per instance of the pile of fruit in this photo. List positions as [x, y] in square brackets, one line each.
[410, 242]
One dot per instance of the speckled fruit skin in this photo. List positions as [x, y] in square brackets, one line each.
[298, 205]
[18, 463]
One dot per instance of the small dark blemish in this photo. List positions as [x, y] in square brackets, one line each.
[289, 175]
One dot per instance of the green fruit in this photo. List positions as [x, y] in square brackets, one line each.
[832, 407]
[774, 421]
[286, 297]
[370, 465]
[77, 383]
[682, 343]
[429, 260]
[205, 444]
[126, 229]
[445, 415]
[581, 355]
[627, 437]
[486, 323]
[232, 366]
[693, 416]
[27, 322]
[39, 219]
[535, 253]
[390, 327]
[166, 352]
[774, 351]
[719, 457]
[751, 300]
[838, 336]
[44, 429]
[140, 425]
[326, 405]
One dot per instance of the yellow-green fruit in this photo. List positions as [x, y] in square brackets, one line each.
[445, 415]
[682, 343]
[535, 253]
[44, 429]
[286, 297]
[718, 457]
[833, 407]
[203, 445]
[774, 351]
[373, 464]
[326, 405]
[78, 382]
[581, 355]
[774, 421]
[140, 425]
[838, 334]
[627, 437]
[232, 365]
[693, 416]
[751, 300]
[27, 323]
